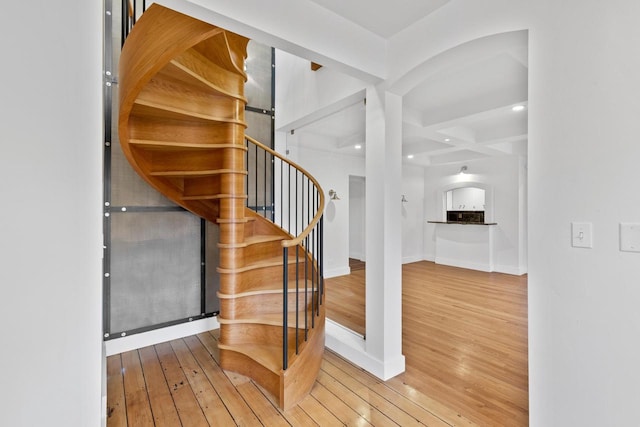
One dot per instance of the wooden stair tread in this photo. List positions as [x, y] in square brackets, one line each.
[182, 145]
[273, 319]
[272, 288]
[205, 72]
[268, 262]
[261, 238]
[214, 196]
[244, 220]
[169, 88]
[252, 240]
[218, 48]
[155, 109]
[197, 173]
[269, 356]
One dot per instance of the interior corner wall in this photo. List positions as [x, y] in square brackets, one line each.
[502, 174]
[51, 216]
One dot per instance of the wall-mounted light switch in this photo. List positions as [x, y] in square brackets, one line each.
[581, 235]
[629, 237]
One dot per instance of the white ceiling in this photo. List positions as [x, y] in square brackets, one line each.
[460, 111]
[382, 17]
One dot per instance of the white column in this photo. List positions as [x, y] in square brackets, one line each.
[384, 231]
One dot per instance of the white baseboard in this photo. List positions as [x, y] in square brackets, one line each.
[429, 257]
[464, 264]
[357, 255]
[509, 269]
[352, 347]
[413, 258]
[337, 271]
[145, 339]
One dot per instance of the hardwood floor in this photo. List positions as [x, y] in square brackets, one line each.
[356, 264]
[180, 383]
[464, 339]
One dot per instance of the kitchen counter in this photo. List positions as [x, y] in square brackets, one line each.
[464, 244]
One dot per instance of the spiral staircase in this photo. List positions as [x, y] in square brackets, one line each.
[181, 126]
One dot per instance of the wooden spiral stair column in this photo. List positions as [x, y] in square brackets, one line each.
[181, 126]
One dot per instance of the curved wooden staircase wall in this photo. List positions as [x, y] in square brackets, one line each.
[181, 126]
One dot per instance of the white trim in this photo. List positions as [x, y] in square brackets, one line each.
[352, 346]
[357, 255]
[510, 269]
[464, 264]
[429, 257]
[413, 258]
[145, 339]
[335, 272]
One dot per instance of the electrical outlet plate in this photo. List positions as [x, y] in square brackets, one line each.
[581, 235]
[629, 237]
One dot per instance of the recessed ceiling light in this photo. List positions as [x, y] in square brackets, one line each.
[447, 139]
[517, 108]
[410, 156]
[357, 146]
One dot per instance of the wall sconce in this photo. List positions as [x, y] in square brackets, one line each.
[404, 199]
[463, 169]
[333, 195]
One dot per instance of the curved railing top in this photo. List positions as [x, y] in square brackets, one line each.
[316, 218]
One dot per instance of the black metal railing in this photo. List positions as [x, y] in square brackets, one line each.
[131, 11]
[297, 204]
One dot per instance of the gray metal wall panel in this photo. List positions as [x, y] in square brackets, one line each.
[155, 268]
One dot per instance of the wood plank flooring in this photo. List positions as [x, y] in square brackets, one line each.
[180, 383]
[464, 339]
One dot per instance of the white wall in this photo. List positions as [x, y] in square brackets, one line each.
[413, 221]
[51, 221]
[583, 165]
[503, 175]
